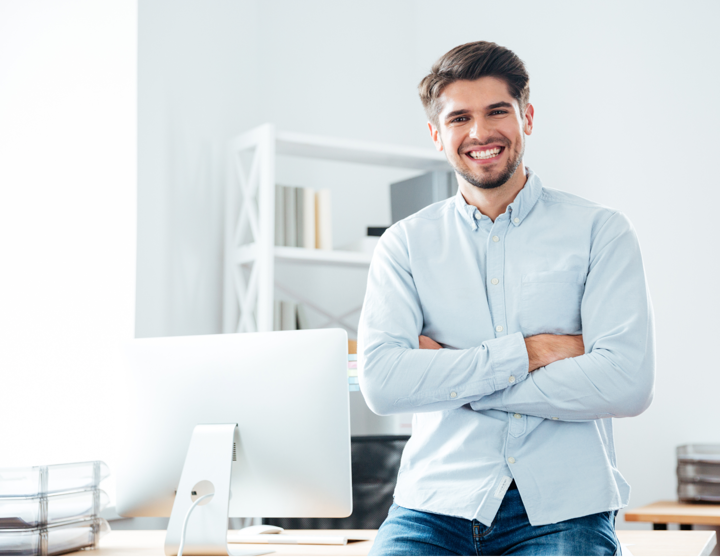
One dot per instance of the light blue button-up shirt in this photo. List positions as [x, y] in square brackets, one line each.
[552, 263]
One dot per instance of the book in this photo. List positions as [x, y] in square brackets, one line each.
[279, 216]
[277, 315]
[308, 219]
[297, 214]
[302, 320]
[290, 216]
[323, 220]
[299, 217]
[288, 315]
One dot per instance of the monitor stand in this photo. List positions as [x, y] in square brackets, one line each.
[207, 470]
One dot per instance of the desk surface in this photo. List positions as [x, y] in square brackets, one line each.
[676, 512]
[639, 543]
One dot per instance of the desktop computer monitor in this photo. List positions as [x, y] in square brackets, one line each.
[288, 393]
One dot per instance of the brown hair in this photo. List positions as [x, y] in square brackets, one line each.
[472, 61]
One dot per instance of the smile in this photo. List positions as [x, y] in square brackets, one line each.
[485, 154]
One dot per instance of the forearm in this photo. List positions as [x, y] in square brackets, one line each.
[544, 349]
[397, 379]
[596, 385]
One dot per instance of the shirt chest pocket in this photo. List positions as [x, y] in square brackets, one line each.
[550, 302]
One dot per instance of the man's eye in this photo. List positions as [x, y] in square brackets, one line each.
[459, 119]
[498, 112]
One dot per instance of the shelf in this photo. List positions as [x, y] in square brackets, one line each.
[249, 300]
[350, 151]
[248, 253]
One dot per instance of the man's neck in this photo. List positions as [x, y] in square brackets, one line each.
[494, 202]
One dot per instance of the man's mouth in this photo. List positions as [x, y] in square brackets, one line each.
[485, 154]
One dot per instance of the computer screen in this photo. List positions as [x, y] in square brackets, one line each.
[288, 393]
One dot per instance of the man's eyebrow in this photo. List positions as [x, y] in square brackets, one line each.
[503, 104]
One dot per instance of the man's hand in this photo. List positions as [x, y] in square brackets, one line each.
[427, 343]
[545, 348]
[542, 349]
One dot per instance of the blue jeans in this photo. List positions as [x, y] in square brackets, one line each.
[412, 533]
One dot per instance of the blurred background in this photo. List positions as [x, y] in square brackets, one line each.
[107, 105]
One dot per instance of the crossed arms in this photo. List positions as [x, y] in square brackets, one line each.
[608, 372]
[542, 349]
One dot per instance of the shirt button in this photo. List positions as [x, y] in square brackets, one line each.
[511, 460]
[453, 394]
[517, 415]
[494, 281]
[496, 239]
[511, 379]
[478, 215]
[516, 220]
[555, 418]
[499, 328]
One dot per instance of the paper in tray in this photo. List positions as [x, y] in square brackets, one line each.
[28, 512]
[54, 539]
[699, 453]
[699, 492]
[51, 479]
[698, 472]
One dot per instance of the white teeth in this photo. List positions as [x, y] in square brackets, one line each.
[488, 154]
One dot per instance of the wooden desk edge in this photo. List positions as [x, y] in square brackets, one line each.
[648, 517]
[675, 512]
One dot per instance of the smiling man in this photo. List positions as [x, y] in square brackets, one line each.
[514, 321]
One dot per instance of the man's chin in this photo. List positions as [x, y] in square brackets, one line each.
[487, 181]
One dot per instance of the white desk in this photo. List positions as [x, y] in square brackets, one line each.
[639, 543]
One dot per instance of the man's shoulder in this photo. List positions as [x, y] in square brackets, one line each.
[418, 222]
[419, 226]
[551, 195]
[596, 215]
[431, 212]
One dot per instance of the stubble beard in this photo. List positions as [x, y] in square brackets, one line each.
[501, 179]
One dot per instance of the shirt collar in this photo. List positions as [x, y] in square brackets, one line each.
[518, 209]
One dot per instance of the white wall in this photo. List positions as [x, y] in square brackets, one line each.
[625, 115]
[67, 225]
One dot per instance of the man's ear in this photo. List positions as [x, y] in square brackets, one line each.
[529, 119]
[435, 135]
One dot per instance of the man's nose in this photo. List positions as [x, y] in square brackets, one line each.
[479, 130]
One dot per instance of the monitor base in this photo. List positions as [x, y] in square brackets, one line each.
[206, 474]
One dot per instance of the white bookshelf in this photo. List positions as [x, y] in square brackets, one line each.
[247, 254]
[250, 251]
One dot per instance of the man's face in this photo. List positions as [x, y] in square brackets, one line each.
[482, 131]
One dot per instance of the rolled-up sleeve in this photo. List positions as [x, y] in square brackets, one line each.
[615, 377]
[398, 377]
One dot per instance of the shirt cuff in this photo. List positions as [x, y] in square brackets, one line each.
[509, 360]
